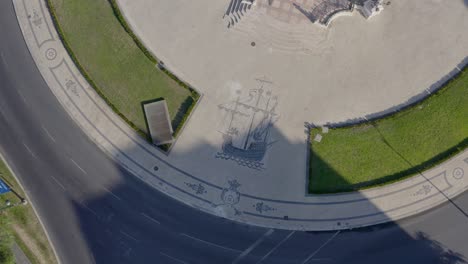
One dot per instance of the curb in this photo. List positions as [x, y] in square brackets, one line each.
[222, 197]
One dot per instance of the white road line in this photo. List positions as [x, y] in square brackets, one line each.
[113, 194]
[127, 252]
[3, 59]
[91, 210]
[175, 259]
[209, 243]
[150, 218]
[109, 217]
[254, 245]
[29, 150]
[318, 249]
[321, 259]
[48, 134]
[61, 185]
[276, 247]
[22, 96]
[78, 166]
[129, 236]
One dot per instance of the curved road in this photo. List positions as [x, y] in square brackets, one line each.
[96, 212]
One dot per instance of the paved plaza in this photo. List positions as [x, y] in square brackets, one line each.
[262, 80]
[353, 68]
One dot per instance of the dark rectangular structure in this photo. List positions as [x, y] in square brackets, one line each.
[159, 122]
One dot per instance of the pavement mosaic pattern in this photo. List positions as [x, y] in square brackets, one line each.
[272, 195]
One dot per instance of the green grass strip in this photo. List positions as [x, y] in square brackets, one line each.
[392, 148]
[115, 62]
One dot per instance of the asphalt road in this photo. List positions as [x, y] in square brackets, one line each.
[96, 212]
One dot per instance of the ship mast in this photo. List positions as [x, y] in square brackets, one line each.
[234, 112]
[260, 91]
[270, 115]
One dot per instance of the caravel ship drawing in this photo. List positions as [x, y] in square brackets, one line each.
[246, 126]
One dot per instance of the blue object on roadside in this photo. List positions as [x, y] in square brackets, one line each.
[3, 187]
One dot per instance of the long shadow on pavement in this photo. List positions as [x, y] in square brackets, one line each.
[133, 223]
[123, 220]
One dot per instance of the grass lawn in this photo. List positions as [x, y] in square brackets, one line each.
[119, 69]
[392, 148]
[20, 224]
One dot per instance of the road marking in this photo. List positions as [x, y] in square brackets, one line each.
[321, 259]
[22, 96]
[3, 59]
[127, 252]
[29, 150]
[111, 193]
[109, 217]
[91, 210]
[150, 218]
[175, 259]
[55, 179]
[209, 243]
[48, 134]
[78, 166]
[254, 245]
[276, 247]
[318, 249]
[129, 236]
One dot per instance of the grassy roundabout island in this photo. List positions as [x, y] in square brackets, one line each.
[115, 63]
[392, 148]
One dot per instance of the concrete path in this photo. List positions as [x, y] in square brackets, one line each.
[265, 197]
[20, 257]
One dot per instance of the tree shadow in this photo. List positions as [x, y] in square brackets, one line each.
[444, 255]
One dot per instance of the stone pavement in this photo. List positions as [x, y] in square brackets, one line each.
[352, 69]
[201, 172]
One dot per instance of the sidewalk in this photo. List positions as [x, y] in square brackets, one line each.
[215, 186]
